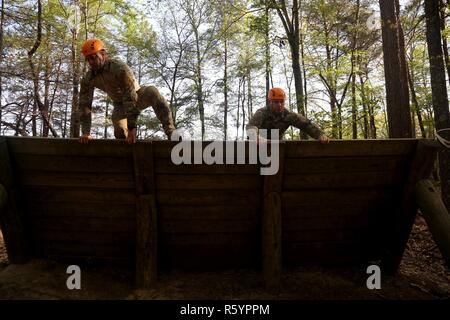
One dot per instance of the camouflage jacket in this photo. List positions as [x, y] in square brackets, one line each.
[265, 119]
[117, 80]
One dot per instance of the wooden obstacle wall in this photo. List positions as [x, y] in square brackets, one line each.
[342, 203]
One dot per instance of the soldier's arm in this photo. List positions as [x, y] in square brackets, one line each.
[86, 97]
[302, 123]
[129, 95]
[253, 125]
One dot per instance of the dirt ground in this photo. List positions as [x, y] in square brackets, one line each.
[422, 276]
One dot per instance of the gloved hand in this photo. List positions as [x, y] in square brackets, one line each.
[85, 138]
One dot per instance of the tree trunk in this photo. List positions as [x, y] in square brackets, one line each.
[366, 109]
[249, 93]
[238, 109]
[34, 122]
[243, 108]
[47, 73]
[225, 91]
[65, 115]
[397, 96]
[444, 38]
[291, 26]
[439, 91]
[199, 84]
[267, 51]
[2, 19]
[331, 90]
[353, 63]
[298, 81]
[305, 90]
[75, 116]
[373, 128]
[35, 73]
[415, 103]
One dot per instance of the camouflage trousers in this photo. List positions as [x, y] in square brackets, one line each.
[147, 96]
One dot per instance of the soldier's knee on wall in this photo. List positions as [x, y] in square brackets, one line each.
[148, 96]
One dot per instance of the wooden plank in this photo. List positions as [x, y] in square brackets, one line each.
[125, 263]
[398, 230]
[81, 195]
[343, 180]
[207, 182]
[77, 179]
[272, 225]
[146, 242]
[209, 258]
[165, 166]
[90, 250]
[336, 197]
[320, 223]
[86, 224]
[346, 164]
[350, 148]
[87, 209]
[12, 221]
[56, 163]
[69, 147]
[163, 149]
[357, 234]
[208, 239]
[328, 210]
[324, 253]
[83, 237]
[213, 212]
[207, 198]
[207, 226]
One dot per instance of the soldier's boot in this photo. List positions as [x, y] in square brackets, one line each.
[150, 96]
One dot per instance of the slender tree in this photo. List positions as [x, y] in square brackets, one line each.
[439, 90]
[397, 95]
[2, 19]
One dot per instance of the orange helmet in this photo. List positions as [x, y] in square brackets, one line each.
[92, 46]
[276, 94]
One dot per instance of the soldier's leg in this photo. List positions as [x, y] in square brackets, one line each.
[119, 120]
[150, 96]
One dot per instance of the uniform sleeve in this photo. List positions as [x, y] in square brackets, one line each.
[86, 96]
[129, 95]
[254, 124]
[302, 123]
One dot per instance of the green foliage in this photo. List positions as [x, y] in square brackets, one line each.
[158, 40]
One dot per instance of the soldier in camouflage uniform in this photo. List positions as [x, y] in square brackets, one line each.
[116, 79]
[276, 116]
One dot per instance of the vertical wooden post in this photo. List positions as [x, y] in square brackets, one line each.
[146, 216]
[146, 242]
[11, 220]
[403, 220]
[3, 197]
[271, 226]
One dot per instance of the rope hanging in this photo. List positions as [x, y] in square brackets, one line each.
[445, 142]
